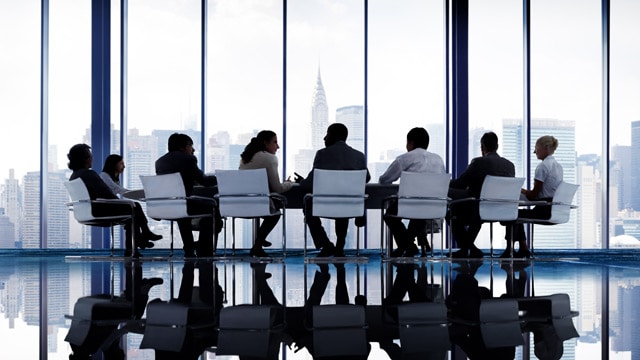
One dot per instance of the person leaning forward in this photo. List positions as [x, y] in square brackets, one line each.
[464, 217]
[180, 159]
[336, 155]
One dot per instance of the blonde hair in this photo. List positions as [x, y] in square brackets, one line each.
[549, 142]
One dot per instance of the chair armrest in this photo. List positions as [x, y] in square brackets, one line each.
[114, 201]
[279, 197]
[463, 200]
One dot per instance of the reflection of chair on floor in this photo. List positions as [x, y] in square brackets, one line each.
[423, 329]
[554, 309]
[178, 328]
[94, 320]
[250, 330]
[339, 331]
[500, 323]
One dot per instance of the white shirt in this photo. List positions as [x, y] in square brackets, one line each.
[549, 172]
[417, 160]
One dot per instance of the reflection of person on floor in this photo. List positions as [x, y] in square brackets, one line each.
[515, 286]
[206, 300]
[464, 304]
[130, 305]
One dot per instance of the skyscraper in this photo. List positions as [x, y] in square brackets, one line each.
[635, 164]
[319, 115]
[622, 174]
[58, 213]
[11, 201]
[353, 118]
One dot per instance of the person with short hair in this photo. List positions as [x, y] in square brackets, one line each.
[180, 159]
[260, 153]
[336, 155]
[464, 217]
[416, 159]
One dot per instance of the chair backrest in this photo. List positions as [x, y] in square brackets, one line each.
[81, 200]
[247, 330]
[339, 193]
[500, 323]
[422, 327]
[243, 193]
[165, 196]
[423, 195]
[499, 198]
[561, 316]
[561, 208]
[339, 330]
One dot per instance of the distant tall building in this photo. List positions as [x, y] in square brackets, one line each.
[319, 115]
[513, 148]
[141, 155]
[622, 174]
[12, 202]
[7, 231]
[218, 151]
[58, 213]
[353, 118]
[635, 164]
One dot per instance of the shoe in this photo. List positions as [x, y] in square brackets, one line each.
[522, 253]
[258, 252]
[506, 254]
[460, 254]
[327, 250]
[411, 251]
[265, 243]
[151, 236]
[145, 245]
[338, 252]
[136, 254]
[399, 252]
[475, 253]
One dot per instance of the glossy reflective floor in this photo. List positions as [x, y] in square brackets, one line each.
[152, 308]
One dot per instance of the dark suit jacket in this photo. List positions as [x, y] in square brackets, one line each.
[187, 166]
[96, 187]
[472, 178]
[338, 156]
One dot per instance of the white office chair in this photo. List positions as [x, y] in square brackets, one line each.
[166, 199]
[421, 196]
[245, 194]
[560, 208]
[337, 194]
[81, 206]
[499, 201]
[423, 328]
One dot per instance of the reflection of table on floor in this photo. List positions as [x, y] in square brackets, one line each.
[377, 193]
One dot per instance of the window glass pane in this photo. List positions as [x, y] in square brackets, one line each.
[164, 47]
[405, 83]
[69, 112]
[244, 83]
[325, 84]
[19, 107]
[566, 102]
[624, 185]
[496, 85]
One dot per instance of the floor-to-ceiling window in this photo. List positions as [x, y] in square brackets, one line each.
[163, 86]
[624, 141]
[244, 88]
[406, 83]
[566, 102]
[20, 115]
[496, 85]
[325, 83]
